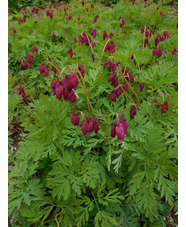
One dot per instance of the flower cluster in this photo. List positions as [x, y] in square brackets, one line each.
[84, 38]
[81, 68]
[34, 48]
[93, 33]
[157, 52]
[120, 87]
[105, 35]
[65, 88]
[87, 126]
[159, 38]
[49, 13]
[34, 10]
[119, 128]
[175, 51]
[163, 107]
[44, 69]
[95, 19]
[21, 20]
[122, 23]
[110, 47]
[30, 57]
[132, 111]
[70, 52]
[22, 92]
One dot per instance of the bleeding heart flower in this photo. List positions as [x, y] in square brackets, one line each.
[175, 51]
[132, 111]
[93, 58]
[95, 19]
[157, 52]
[164, 107]
[157, 40]
[119, 128]
[105, 35]
[27, 65]
[22, 63]
[70, 52]
[21, 92]
[81, 68]
[54, 36]
[34, 48]
[110, 47]
[74, 119]
[93, 33]
[141, 86]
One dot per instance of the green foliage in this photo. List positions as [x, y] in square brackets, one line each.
[60, 177]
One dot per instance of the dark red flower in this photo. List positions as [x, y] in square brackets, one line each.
[93, 33]
[119, 128]
[141, 86]
[95, 19]
[157, 52]
[41, 69]
[54, 69]
[175, 51]
[79, 18]
[81, 68]
[165, 35]
[53, 86]
[122, 23]
[27, 65]
[34, 48]
[93, 44]
[33, 9]
[22, 62]
[164, 107]
[46, 71]
[75, 40]
[132, 56]
[151, 32]
[84, 38]
[146, 33]
[105, 35]
[161, 13]
[157, 40]
[9, 12]
[54, 35]
[92, 5]
[110, 47]
[70, 52]
[132, 111]
[59, 92]
[70, 17]
[93, 58]
[83, 129]
[83, 3]
[113, 96]
[30, 57]
[74, 119]
[146, 41]
[21, 92]
[95, 126]
[111, 34]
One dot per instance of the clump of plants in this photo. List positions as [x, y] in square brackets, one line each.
[97, 89]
